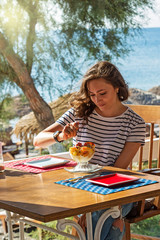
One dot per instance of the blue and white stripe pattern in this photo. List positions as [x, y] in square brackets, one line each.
[87, 186]
[108, 134]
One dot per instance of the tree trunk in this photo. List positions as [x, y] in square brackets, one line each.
[41, 109]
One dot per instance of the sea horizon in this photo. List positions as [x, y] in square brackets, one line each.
[140, 68]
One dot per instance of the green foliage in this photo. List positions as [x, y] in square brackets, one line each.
[145, 164]
[23, 99]
[46, 235]
[67, 144]
[54, 48]
[144, 227]
[6, 111]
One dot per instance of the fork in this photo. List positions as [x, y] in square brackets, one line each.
[77, 179]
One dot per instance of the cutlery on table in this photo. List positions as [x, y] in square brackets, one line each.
[17, 164]
[76, 179]
[93, 175]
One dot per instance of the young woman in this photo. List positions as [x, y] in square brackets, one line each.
[98, 115]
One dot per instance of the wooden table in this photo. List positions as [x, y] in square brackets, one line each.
[37, 196]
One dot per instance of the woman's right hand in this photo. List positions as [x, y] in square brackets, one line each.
[69, 131]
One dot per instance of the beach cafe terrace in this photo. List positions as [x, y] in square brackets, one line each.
[27, 127]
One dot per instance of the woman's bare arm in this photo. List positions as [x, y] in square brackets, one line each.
[45, 137]
[127, 154]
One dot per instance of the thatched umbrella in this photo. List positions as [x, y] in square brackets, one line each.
[28, 126]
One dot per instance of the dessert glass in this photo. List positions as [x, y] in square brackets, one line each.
[82, 155]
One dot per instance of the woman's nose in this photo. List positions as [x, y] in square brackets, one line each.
[98, 98]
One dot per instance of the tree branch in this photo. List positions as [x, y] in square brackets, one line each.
[37, 104]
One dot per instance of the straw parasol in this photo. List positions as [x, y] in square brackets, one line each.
[28, 126]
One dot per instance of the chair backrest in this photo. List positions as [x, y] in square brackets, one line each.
[151, 116]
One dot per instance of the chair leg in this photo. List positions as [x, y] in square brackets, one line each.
[4, 225]
[128, 231]
[39, 233]
[74, 232]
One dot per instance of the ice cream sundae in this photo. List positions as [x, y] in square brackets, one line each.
[82, 153]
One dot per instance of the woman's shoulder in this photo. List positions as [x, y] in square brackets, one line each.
[70, 114]
[70, 111]
[133, 115]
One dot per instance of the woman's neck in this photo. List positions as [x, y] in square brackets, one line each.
[112, 111]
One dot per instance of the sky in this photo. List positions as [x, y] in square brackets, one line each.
[153, 17]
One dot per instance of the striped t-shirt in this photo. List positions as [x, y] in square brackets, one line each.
[108, 134]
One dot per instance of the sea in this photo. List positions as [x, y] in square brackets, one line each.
[140, 69]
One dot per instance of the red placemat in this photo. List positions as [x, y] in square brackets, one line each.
[30, 169]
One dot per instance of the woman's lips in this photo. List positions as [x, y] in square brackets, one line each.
[101, 105]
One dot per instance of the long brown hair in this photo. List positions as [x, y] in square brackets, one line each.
[81, 100]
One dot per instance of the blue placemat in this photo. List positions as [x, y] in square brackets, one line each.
[87, 186]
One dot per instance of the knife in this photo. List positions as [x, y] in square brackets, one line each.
[74, 180]
[17, 164]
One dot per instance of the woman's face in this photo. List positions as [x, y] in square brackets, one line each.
[102, 94]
